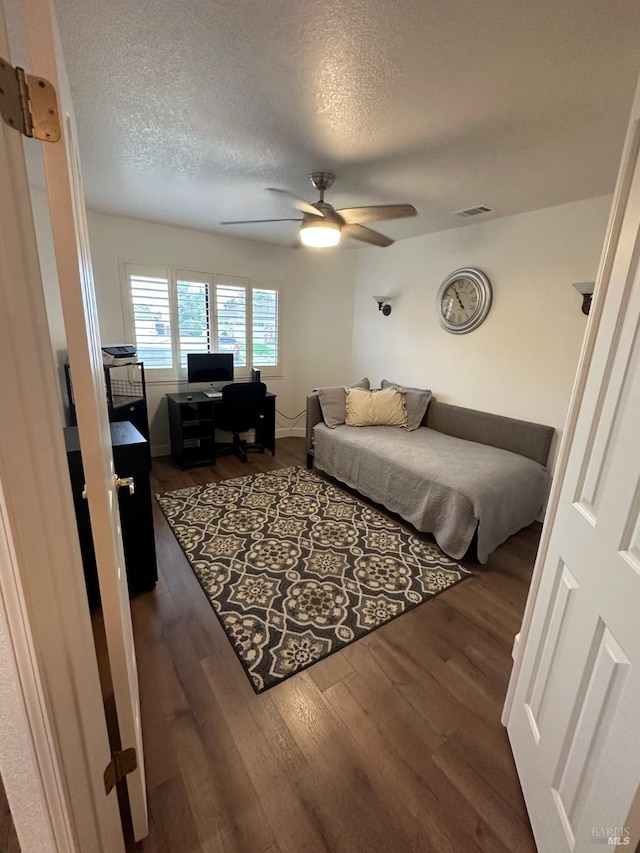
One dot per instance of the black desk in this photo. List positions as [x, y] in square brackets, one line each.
[131, 459]
[192, 424]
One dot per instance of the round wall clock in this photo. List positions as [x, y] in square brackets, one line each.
[463, 300]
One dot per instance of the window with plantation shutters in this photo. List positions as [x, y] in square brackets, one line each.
[152, 319]
[174, 312]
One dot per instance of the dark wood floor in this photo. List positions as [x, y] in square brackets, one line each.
[8, 838]
[392, 744]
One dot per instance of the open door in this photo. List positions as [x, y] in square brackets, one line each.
[54, 746]
[68, 221]
[573, 705]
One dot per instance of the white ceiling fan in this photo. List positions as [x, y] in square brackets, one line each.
[323, 226]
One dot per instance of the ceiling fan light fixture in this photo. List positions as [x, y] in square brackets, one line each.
[323, 226]
[320, 234]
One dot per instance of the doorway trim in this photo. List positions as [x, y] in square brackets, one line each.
[54, 746]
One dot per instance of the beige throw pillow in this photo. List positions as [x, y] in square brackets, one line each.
[376, 408]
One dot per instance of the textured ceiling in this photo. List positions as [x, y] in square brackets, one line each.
[188, 110]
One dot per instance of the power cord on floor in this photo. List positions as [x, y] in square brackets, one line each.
[294, 418]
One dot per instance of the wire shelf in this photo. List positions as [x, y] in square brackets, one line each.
[125, 381]
[126, 388]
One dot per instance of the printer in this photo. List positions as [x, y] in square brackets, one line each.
[114, 356]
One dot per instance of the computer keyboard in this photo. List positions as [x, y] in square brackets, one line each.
[213, 395]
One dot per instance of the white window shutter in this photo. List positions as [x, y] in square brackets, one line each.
[231, 320]
[194, 317]
[152, 319]
[265, 332]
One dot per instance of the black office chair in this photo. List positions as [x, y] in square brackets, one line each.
[242, 408]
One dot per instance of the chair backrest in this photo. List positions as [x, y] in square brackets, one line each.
[242, 406]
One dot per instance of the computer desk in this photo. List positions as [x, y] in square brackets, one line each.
[192, 426]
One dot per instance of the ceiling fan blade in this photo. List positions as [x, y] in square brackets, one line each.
[375, 213]
[367, 235]
[298, 203]
[253, 221]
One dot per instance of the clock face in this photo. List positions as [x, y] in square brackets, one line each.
[459, 302]
[463, 301]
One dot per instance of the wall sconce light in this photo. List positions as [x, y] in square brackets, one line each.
[585, 289]
[384, 304]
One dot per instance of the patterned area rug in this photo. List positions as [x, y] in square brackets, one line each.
[296, 568]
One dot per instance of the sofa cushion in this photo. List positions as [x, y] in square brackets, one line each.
[333, 402]
[376, 408]
[417, 401]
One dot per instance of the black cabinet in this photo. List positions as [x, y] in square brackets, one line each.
[130, 456]
[192, 426]
[192, 430]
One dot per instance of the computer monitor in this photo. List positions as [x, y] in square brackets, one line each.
[213, 369]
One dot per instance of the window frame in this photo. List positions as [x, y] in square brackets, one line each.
[178, 374]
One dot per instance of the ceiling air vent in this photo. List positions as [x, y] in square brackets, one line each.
[474, 211]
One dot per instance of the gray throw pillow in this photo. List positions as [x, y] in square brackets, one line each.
[333, 402]
[417, 402]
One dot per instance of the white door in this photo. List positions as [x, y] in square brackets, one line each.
[573, 706]
[68, 221]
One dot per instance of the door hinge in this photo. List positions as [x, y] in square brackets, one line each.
[28, 104]
[121, 764]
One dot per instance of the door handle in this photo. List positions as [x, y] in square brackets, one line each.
[125, 481]
[120, 482]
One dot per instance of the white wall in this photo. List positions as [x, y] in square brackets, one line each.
[316, 302]
[521, 362]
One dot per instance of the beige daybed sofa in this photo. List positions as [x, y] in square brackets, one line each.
[461, 472]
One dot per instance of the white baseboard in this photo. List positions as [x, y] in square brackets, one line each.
[160, 450]
[291, 432]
